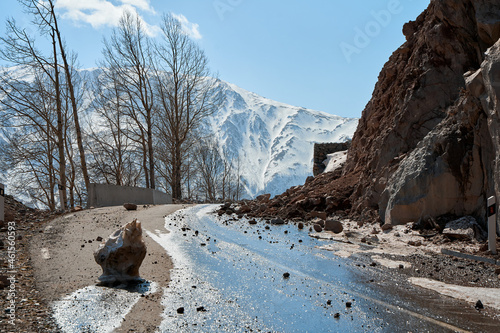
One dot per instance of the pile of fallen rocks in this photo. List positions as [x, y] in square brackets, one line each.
[320, 213]
[321, 197]
[316, 220]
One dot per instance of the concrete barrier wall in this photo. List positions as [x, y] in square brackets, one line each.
[321, 150]
[104, 195]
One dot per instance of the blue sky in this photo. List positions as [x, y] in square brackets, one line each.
[320, 54]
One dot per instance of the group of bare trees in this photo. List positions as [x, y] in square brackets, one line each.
[154, 98]
[127, 101]
[217, 176]
[43, 108]
[149, 100]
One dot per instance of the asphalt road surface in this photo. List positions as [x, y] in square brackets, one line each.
[230, 276]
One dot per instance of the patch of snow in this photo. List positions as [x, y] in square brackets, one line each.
[274, 141]
[392, 242]
[488, 296]
[97, 309]
[335, 161]
[45, 253]
[390, 263]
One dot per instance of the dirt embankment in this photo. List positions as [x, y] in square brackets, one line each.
[28, 313]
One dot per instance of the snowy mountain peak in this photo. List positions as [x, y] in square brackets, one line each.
[273, 140]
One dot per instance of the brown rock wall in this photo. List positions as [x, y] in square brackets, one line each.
[428, 139]
[416, 86]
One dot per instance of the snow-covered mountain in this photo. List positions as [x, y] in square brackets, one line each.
[274, 140]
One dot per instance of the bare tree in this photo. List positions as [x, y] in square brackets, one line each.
[127, 56]
[238, 189]
[19, 49]
[155, 99]
[210, 167]
[230, 178]
[217, 176]
[186, 97]
[112, 151]
[30, 172]
[48, 6]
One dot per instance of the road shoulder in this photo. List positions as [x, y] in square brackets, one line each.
[63, 261]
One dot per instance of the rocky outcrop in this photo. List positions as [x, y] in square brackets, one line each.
[416, 86]
[458, 159]
[434, 153]
[428, 142]
[445, 173]
[121, 255]
[491, 102]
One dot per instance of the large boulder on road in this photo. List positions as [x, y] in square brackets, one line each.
[121, 255]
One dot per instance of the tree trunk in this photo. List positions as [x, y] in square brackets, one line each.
[52, 201]
[145, 163]
[150, 151]
[60, 136]
[119, 169]
[176, 174]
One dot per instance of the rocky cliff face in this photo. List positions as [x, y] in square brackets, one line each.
[423, 145]
[487, 87]
[449, 172]
[428, 143]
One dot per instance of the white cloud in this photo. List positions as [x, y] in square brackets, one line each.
[141, 4]
[191, 29]
[100, 13]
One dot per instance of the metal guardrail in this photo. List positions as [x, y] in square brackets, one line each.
[470, 257]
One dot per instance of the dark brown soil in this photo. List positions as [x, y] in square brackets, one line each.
[32, 313]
